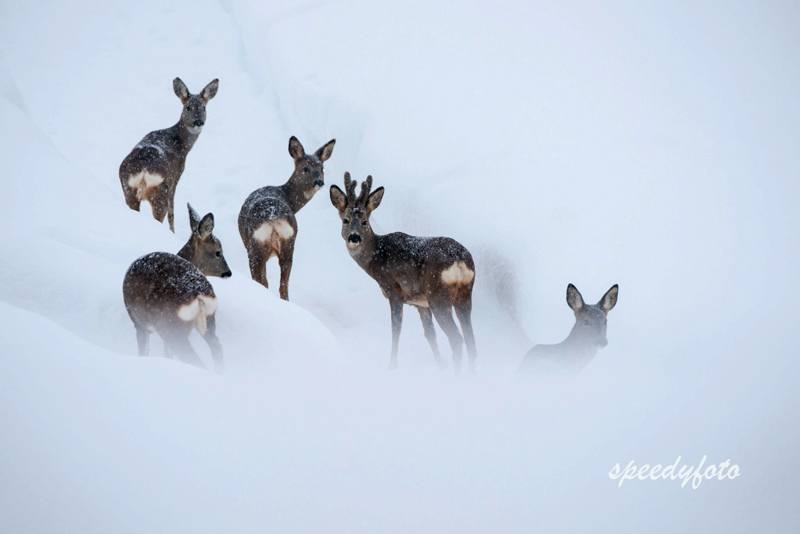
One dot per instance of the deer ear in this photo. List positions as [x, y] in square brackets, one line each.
[374, 199]
[206, 226]
[338, 198]
[194, 219]
[296, 149]
[324, 152]
[181, 91]
[574, 298]
[609, 300]
[210, 90]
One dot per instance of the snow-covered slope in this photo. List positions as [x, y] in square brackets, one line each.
[651, 147]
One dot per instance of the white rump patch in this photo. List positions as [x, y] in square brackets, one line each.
[281, 227]
[458, 274]
[198, 311]
[143, 181]
[188, 312]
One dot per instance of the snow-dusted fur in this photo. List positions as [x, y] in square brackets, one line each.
[651, 144]
[267, 222]
[152, 169]
[434, 274]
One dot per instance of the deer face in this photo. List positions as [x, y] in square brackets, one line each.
[355, 227]
[309, 174]
[204, 250]
[591, 319]
[355, 211]
[193, 116]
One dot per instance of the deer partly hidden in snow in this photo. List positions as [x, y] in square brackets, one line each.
[267, 220]
[170, 294]
[434, 274]
[587, 337]
[152, 170]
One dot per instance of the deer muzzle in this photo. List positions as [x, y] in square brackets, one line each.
[354, 238]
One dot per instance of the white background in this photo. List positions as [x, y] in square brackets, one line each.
[651, 146]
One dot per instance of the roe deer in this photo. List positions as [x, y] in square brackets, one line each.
[267, 220]
[170, 293]
[587, 337]
[152, 170]
[434, 274]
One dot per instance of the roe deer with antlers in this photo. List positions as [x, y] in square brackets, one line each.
[267, 220]
[152, 170]
[170, 293]
[434, 274]
[587, 337]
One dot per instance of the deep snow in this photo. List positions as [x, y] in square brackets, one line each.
[650, 146]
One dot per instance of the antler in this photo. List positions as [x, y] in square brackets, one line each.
[350, 188]
[366, 186]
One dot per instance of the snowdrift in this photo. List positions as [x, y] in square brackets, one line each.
[654, 148]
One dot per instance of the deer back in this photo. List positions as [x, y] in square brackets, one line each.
[163, 288]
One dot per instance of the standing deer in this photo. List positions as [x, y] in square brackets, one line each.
[434, 274]
[170, 293]
[152, 170]
[267, 220]
[587, 337]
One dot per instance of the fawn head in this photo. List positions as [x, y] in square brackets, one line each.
[193, 116]
[355, 210]
[203, 249]
[309, 175]
[591, 319]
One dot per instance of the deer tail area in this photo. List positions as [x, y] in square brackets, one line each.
[197, 311]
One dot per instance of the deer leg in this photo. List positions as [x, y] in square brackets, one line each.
[258, 264]
[430, 333]
[464, 313]
[171, 210]
[178, 342]
[285, 262]
[213, 342]
[130, 198]
[397, 324]
[159, 207]
[142, 340]
[444, 316]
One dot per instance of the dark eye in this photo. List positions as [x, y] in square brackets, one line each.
[218, 254]
[364, 222]
[305, 170]
[345, 221]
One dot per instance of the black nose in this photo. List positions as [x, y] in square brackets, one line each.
[198, 123]
[354, 238]
[319, 183]
[226, 274]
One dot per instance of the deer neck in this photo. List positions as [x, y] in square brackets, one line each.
[579, 343]
[295, 196]
[186, 137]
[187, 252]
[364, 254]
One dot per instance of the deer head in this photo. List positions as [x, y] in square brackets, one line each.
[203, 249]
[354, 211]
[309, 176]
[193, 116]
[591, 319]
